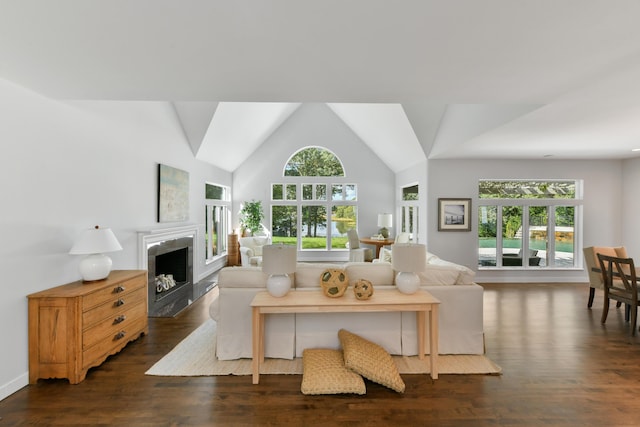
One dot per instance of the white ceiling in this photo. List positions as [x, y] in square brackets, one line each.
[435, 78]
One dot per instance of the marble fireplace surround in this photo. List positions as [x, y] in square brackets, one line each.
[148, 239]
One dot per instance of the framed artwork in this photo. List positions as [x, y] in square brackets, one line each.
[454, 214]
[173, 194]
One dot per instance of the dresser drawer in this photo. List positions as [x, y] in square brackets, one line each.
[111, 326]
[110, 293]
[113, 343]
[113, 307]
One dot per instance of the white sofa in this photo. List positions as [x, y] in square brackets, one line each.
[251, 249]
[287, 335]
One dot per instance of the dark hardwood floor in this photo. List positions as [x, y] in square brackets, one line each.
[561, 367]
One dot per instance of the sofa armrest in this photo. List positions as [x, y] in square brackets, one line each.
[245, 250]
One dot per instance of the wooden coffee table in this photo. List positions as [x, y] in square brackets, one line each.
[314, 301]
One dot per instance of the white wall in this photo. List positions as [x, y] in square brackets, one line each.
[630, 208]
[66, 167]
[601, 214]
[317, 125]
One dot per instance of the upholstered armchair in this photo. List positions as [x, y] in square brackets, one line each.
[251, 250]
[356, 253]
[591, 261]
[403, 238]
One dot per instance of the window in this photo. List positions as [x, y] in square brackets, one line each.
[528, 224]
[409, 212]
[217, 217]
[313, 214]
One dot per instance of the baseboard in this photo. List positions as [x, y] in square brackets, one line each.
[11, 387]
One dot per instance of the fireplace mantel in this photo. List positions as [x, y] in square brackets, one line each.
[157, 235]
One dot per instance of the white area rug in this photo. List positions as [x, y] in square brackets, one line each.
[195, 356]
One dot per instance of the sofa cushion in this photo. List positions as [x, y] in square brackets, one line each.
[324, 373]
[242, 277]
[441, 272]
[385, 255]
[378, 273]
[370, 360]
[308, 274]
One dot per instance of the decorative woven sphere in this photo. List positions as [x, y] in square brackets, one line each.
[334, 282]
[363, 289]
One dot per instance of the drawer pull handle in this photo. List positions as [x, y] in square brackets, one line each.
[119, 319]
[119, 289]
[119, 302]
[120, 335]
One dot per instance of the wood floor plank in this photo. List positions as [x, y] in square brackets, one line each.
[561, 367]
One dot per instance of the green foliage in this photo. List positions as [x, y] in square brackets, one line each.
[314, 216]
[251, 215]
[565, 216]
[527, 189]
[312, 242]
[284, 221]
[344, 217]
[314, 161]
[512, 220]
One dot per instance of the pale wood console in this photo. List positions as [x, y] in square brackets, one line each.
[314, 301]
[76, 326]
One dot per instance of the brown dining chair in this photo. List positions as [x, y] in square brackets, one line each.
[620, 284]
[592, 264]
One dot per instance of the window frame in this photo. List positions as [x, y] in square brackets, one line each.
[325, 201]
[223, 206]
[526, 203]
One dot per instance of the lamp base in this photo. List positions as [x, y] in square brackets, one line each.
[95, 267]
[407, 282]
[384, 232]
[278, 285]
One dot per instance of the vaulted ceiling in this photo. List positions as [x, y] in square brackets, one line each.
[413, 79]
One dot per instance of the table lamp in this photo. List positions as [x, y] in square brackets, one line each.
[279, 261]
[93, 242]
[385, 220]
[408, 259]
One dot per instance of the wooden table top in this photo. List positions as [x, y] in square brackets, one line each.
[314, 300]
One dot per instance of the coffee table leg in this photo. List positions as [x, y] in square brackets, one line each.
[433, 336]
[256, 323]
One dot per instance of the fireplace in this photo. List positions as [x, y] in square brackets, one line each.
[168, 255]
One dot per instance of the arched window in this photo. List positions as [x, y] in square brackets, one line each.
[314, 161]
[314, 206]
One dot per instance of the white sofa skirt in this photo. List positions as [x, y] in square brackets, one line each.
[232, 312]
[460, 321]
[320, 330]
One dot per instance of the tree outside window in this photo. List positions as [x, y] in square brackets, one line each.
[313, 215]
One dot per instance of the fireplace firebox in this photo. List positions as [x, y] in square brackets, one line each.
[170, 276]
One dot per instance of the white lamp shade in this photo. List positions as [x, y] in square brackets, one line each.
[409, 257]
[279, 259]
[95, 241]
[385, 220]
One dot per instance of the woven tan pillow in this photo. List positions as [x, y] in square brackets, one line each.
[324, 373]
[370, 360]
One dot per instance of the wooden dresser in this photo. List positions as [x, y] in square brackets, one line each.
[76, 326]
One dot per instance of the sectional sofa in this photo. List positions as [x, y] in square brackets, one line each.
[287, 335]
